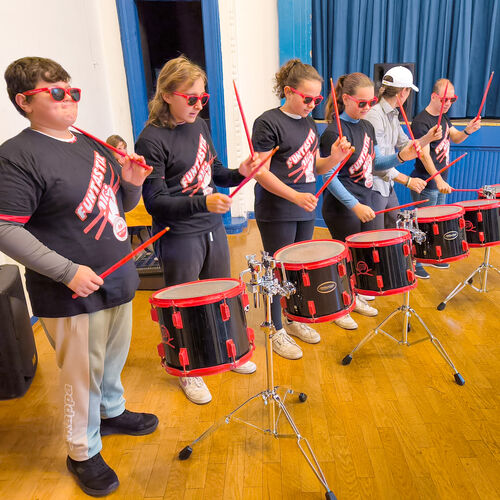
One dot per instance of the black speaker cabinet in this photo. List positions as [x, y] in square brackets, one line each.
[380, 69]
[18, 356]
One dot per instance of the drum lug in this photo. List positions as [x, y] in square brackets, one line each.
[250, 335]
[347, 298]
[406, 250]
[439, 252]
[461, 223]
[479, 217]
[305, 279]
[376, 257]
[231, 349]
[161, 350]
[411, 275]
[177, 320]
[245, 302]
[465, 246]
[312, 307]
[183, 357]
[225, 312]
[435, 228]
[341, 270]
[380, 281]
[481, 236]
[154, 314]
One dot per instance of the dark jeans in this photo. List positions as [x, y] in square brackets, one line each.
[382, 202]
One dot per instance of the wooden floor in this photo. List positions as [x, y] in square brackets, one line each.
[392, 425]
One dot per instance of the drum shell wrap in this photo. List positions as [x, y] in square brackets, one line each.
[482, 226]
[203, 333]
[383, 269]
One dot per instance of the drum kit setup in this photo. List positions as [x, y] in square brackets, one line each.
[203, 323]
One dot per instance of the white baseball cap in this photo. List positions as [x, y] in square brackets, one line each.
[401, 77]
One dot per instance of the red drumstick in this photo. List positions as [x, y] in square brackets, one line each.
[400, 104]
[445, 168]
[337, 117]
[129, 256]
[121, 153]
[337, 170]
[400, 206]
[478, 116]
[250, 145]
[443, 100]
[466, 190]
[254, 173]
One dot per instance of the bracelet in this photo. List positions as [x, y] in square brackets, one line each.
[408, 182]
[465, 132]
[399, 158]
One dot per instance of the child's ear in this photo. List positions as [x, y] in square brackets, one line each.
[23, 103]
[167, 98]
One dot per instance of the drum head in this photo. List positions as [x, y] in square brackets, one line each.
[479, 203]
[310, 251]
[438, 211]
[196, 289]
[377, 236]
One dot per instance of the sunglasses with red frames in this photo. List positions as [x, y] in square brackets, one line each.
[58, 93]
[450, 99]
[362, 103]
[193, 99]
[307, 99]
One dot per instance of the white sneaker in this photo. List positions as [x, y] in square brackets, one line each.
[246, 368]
[363, 308]
[346, 322]
[303, 331]
[285, 346]
[195, 390]
[367, 298]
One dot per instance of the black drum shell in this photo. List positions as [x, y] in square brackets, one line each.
[489, 227]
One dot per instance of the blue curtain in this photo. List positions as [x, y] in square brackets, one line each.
[457, 39]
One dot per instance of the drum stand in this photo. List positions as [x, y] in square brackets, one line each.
[408, 312]
[482, 270]
[268, 286]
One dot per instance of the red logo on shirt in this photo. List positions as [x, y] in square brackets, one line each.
[305, 154]
[443, 148]
[199, 175]
[361, 170]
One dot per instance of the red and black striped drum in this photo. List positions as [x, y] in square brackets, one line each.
[203, 327]
[320, 273]
[444, 227]
[482, 222]
[382, 261]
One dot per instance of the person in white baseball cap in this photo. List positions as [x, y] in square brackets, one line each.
[399, 76]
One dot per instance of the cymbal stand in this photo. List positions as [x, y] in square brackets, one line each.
[407, 221]
[489, 192]
[264, 283]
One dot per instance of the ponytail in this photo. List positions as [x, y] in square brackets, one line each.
[291, 74]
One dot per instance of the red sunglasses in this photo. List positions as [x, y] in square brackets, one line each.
[193, 99]
[307, 99]
[58, 93]
[450, 99]
[362, 103]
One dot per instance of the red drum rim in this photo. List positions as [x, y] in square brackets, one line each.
[448, 259]
[440, 218]
[210, 370]
[480, 245]
[380, 243]
[482, 204]
[202, 300]
[315, 264]
[320, 319]
[392, 291]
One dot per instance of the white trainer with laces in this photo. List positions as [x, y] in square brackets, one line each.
[285, 346]
[246, 368]
[195, 390]
[303, 331]
[346, 322]
[363, 308]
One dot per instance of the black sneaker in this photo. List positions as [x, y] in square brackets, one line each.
[422, 273]
[129, 422]
[94, 476]
[437, 265]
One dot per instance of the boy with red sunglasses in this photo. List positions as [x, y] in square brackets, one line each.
[436, 155]
[62, 204]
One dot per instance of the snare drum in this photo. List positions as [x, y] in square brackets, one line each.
[482, 222]
[444, 226]
[203, 327]
[319, 271]
[495, 188]
[382, 261]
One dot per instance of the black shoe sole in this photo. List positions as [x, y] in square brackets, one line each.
[90, 491]
[428, 264]
[108, 430]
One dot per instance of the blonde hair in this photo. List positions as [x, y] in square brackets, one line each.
[291, 74]
[346, 84]
[174, 74]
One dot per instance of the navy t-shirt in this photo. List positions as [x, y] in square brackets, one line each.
[67, 194]
[182, 177]
[294, 163]
[439, 150]
[357, 174]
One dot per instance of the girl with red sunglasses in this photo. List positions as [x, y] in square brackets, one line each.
[348, 201]
[284, 195]
[181, 192]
